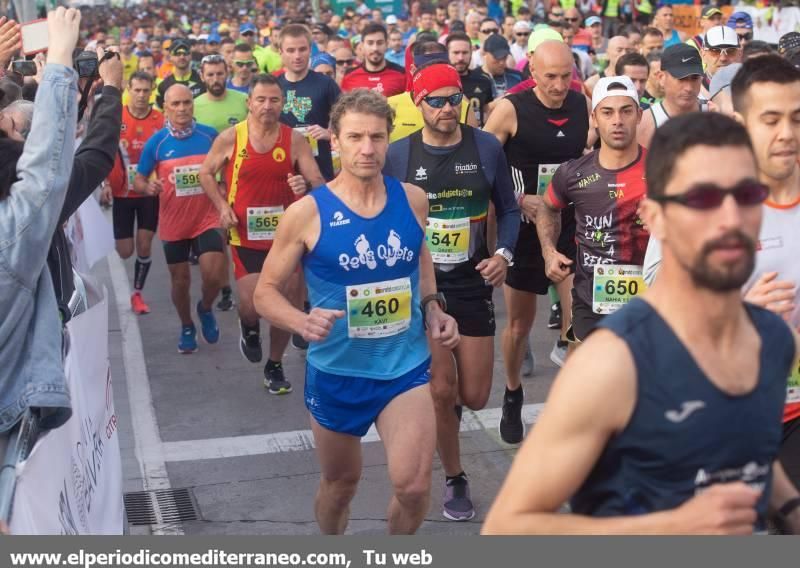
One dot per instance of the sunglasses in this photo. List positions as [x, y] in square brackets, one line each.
[747, 37]
[490, 31]
[522, 34]
[181, 53]
[727, 51]
[343, 62]
[439, 102]
[747, 193]
[247, 63]
[571, 20]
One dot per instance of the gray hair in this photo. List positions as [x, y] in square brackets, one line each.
[24, 111]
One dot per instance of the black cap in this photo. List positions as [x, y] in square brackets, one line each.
[324, 28]
[180, 43]
[497, 45]
[457, 26]
[789, 42]
[682, 60]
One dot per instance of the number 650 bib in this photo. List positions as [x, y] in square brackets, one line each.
[614, 285]
[380, 309]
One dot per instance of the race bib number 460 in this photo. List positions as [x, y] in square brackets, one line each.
[614, 286]
[793, 390]
[381, 309]
[448, 240]
[262, 222]
[187, 181]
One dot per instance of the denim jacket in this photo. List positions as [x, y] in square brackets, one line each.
[31, 368]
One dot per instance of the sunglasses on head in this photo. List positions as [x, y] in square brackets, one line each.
[439, 102]
[747, 193]
[490, 31]
[246, 63]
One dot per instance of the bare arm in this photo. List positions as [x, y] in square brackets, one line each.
[296, 231]
[548, 224]
[503, 121]
[647, 128]
[213, 164]
[304, 160]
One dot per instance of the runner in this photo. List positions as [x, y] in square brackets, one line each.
[681, 459]
[766, 96]
[219, 107]
[187, 219]
[182, 73]
[477, 85]
[606, 186]
[618, 46]
[462, 170]
[309, 95]
[710, 17]
[652, 40]
[635, 67]
[375, 72]
[663, 22]
[139, 122]
[556, 125]
[242, 63]
[372, 285]
[721, 49]
[495, 54]
[681, 77]
[260, 157]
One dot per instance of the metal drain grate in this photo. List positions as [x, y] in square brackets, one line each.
[160, 507]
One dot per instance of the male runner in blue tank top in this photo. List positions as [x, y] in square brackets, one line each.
[361, 241]
[688, 443]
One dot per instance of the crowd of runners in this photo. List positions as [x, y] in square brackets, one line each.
[367, 186]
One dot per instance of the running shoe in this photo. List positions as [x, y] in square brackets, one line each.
[511, 428]
[555, 316]
[457, 505]
[559, 353]
[528, 363]
[188, 341]
[226, 302]
[208, 324]
[250, 343]
[137, 304]
[275, 381]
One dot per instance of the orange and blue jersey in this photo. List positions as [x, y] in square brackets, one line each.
[184, 209]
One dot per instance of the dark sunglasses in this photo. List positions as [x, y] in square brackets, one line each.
[748, 193]
[247, 63]
[439, 102]
[522, 34]
[571, 20]
[344, 61]
[747, 37]
[181, 53]
[491, 31]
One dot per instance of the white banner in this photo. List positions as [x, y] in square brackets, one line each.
[72, 481]
[91, 235]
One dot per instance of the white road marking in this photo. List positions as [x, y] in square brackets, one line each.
[303, 440]
[149, 448]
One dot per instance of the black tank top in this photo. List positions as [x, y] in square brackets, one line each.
[544, 136]
[685, 434]
[458, 190]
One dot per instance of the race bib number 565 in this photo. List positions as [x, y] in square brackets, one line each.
[381, 309]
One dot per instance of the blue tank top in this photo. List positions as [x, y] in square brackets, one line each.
[368, 267]
[685, 434]
[674, 39]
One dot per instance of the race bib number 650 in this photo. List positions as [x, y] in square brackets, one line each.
[381, 309]
[614, 286]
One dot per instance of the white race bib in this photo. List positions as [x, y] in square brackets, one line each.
[380, 309]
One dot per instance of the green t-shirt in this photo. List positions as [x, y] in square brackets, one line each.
[268, 59]
[223, 114]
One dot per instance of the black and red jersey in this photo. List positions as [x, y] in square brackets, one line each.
[608, 227]
[389, 81]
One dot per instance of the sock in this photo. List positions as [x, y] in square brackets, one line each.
[461, 475]
[271, 365]
[514, 394]
[248, 328]
[553, 294]
[226, 291]
[459, 411]
[140, 270]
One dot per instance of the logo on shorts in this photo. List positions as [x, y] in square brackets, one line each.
[339, 220]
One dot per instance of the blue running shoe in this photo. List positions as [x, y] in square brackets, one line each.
[208, 323]
[188, 341]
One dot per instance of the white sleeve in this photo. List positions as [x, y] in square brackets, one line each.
[652, 260]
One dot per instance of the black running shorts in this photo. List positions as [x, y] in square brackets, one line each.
[125, 211]
[178, 251]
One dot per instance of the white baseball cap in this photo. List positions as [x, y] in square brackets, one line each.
[391, 19]
[721, 36]
[620, 86]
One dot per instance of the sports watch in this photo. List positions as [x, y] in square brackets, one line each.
[507, 255]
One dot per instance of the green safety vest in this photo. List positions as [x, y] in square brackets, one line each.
[567, 4]
[612, 9]
[644, 7]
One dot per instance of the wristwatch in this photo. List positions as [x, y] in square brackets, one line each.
[507, 255]
[438, 297]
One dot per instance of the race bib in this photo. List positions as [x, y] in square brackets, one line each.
[448, 240]
[546, 172]
[614, 285]
[262, 222]
[793, 390]
[187, 181]
[311, 140]
[381, 309]
[131, 176]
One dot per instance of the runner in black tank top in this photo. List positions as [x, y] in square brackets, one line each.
[540, 129]
[667, 420]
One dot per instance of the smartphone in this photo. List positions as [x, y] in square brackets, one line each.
[34, 37]
[24, 68]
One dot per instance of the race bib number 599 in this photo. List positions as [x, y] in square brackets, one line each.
[187, 181]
